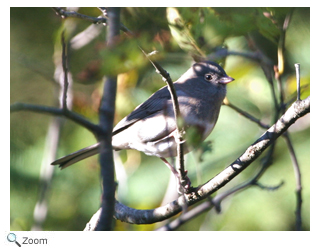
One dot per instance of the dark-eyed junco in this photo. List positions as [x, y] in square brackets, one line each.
[151, 127]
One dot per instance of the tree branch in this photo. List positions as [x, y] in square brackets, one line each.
[216, 201]
[52, 141]
[18, 106]
[106, 114]
[95, 20]
[246, 114]
[65, 71]
[66, 14]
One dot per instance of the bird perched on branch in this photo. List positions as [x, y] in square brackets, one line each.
[151, 126]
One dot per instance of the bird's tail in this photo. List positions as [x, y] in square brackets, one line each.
[77, 156]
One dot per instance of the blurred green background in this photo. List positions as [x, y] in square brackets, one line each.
[74, 194]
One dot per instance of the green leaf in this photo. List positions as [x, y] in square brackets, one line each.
[181, 32]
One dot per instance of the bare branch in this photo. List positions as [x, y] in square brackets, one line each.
[65, 14]
[106, 115]
[297, 174]
[65, 72]
[95, 20]
[18, 106]
[296, 110]
[297, 66]
[246, 114]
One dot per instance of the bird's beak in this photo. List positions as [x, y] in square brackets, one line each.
[225, 80]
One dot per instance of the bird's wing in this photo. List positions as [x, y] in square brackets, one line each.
[150, 107]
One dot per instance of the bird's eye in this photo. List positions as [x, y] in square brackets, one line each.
[208, 77]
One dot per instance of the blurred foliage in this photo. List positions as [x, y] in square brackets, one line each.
[178, 35]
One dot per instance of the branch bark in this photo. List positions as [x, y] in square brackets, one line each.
[52, 139]
[106, 115]
[19, 106]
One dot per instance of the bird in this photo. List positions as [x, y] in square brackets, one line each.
[151, 127]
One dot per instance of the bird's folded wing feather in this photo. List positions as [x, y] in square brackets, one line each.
[152, 106]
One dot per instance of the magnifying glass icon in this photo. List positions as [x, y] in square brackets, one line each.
[13, 238]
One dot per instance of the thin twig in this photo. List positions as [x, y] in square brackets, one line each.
[46, 173]
[204, 206]
[296, 168]
[297, 66]
[66, 14]
[297, 174]
[295, 163]
[65, 72]
[18, 106]
[257, 56]
[52, 141]
[247, 115]
[95, 20]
